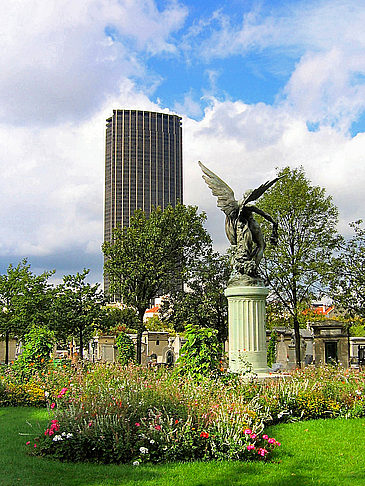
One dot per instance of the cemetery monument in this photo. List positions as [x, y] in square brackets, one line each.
[246, 291]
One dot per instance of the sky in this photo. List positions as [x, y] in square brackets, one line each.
[259, 84]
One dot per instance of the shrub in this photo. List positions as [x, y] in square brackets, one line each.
[126, 351]
[201, 354]
[38, 344]
[271, 349]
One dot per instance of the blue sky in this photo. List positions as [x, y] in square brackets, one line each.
[259, 84]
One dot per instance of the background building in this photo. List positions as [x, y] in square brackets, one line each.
[143, 165]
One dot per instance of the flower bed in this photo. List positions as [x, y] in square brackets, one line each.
[116, 414]
[110, 413]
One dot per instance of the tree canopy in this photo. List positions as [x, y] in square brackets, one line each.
[77, 308]
[202, 302]
[348, 274]
[296, 270]
[25, 300]
[153, 256]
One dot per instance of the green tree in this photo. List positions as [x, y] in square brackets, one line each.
[77, 308]
[348, 274]
[153, 256]
[296, 270]
[202, 302]
[25, 300]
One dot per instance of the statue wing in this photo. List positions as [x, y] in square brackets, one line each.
[226, 200]
[256, 193]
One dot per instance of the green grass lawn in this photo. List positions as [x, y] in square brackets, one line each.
[324, 452]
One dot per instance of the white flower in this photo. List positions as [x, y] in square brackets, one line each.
[63, 434]
[143, 450]
[152, 441]
[69, 435]
[358, 392]
[46, 394]
[136, 463]
[56, 438]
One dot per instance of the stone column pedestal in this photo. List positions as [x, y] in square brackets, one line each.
[246, 327]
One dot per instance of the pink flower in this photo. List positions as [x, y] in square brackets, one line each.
[62, 392]
[247, 431]
[46, 432]
[90, 424]
[262, 452]
[53, 405]
[265, 436]
[27, 443]
[137, 424]
[158, 427]
[278, 443]
[253, 436]
[35, 445]
[250, 447]
[271, 440]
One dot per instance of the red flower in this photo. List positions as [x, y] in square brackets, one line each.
[205, 435]
[137, 424]
[158, 427]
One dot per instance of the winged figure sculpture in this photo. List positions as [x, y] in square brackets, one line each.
[242, 230]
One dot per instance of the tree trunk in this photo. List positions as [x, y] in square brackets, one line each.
[140, 330]
[139, 346]
[81, 353]
[7, 347]
[297, 341]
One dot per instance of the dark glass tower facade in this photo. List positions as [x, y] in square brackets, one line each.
[143, 165]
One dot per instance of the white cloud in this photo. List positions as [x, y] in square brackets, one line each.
[51, 189]
[61, 59]
[244, 143]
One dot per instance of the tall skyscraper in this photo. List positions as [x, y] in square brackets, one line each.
[143, 165]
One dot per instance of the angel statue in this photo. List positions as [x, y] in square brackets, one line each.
[242, 230]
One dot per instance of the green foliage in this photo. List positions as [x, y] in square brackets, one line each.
[348, 277]
[25, 300]
[201, 354]
[154, 323]
[357, 330]
[22, 394]
[204, 302]
[296, 270]
[115, 320]
[126, 351]
[271, 349]
[153, 256]
[77, 308]
[37, 347]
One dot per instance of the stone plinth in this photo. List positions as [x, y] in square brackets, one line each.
[246, 327]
